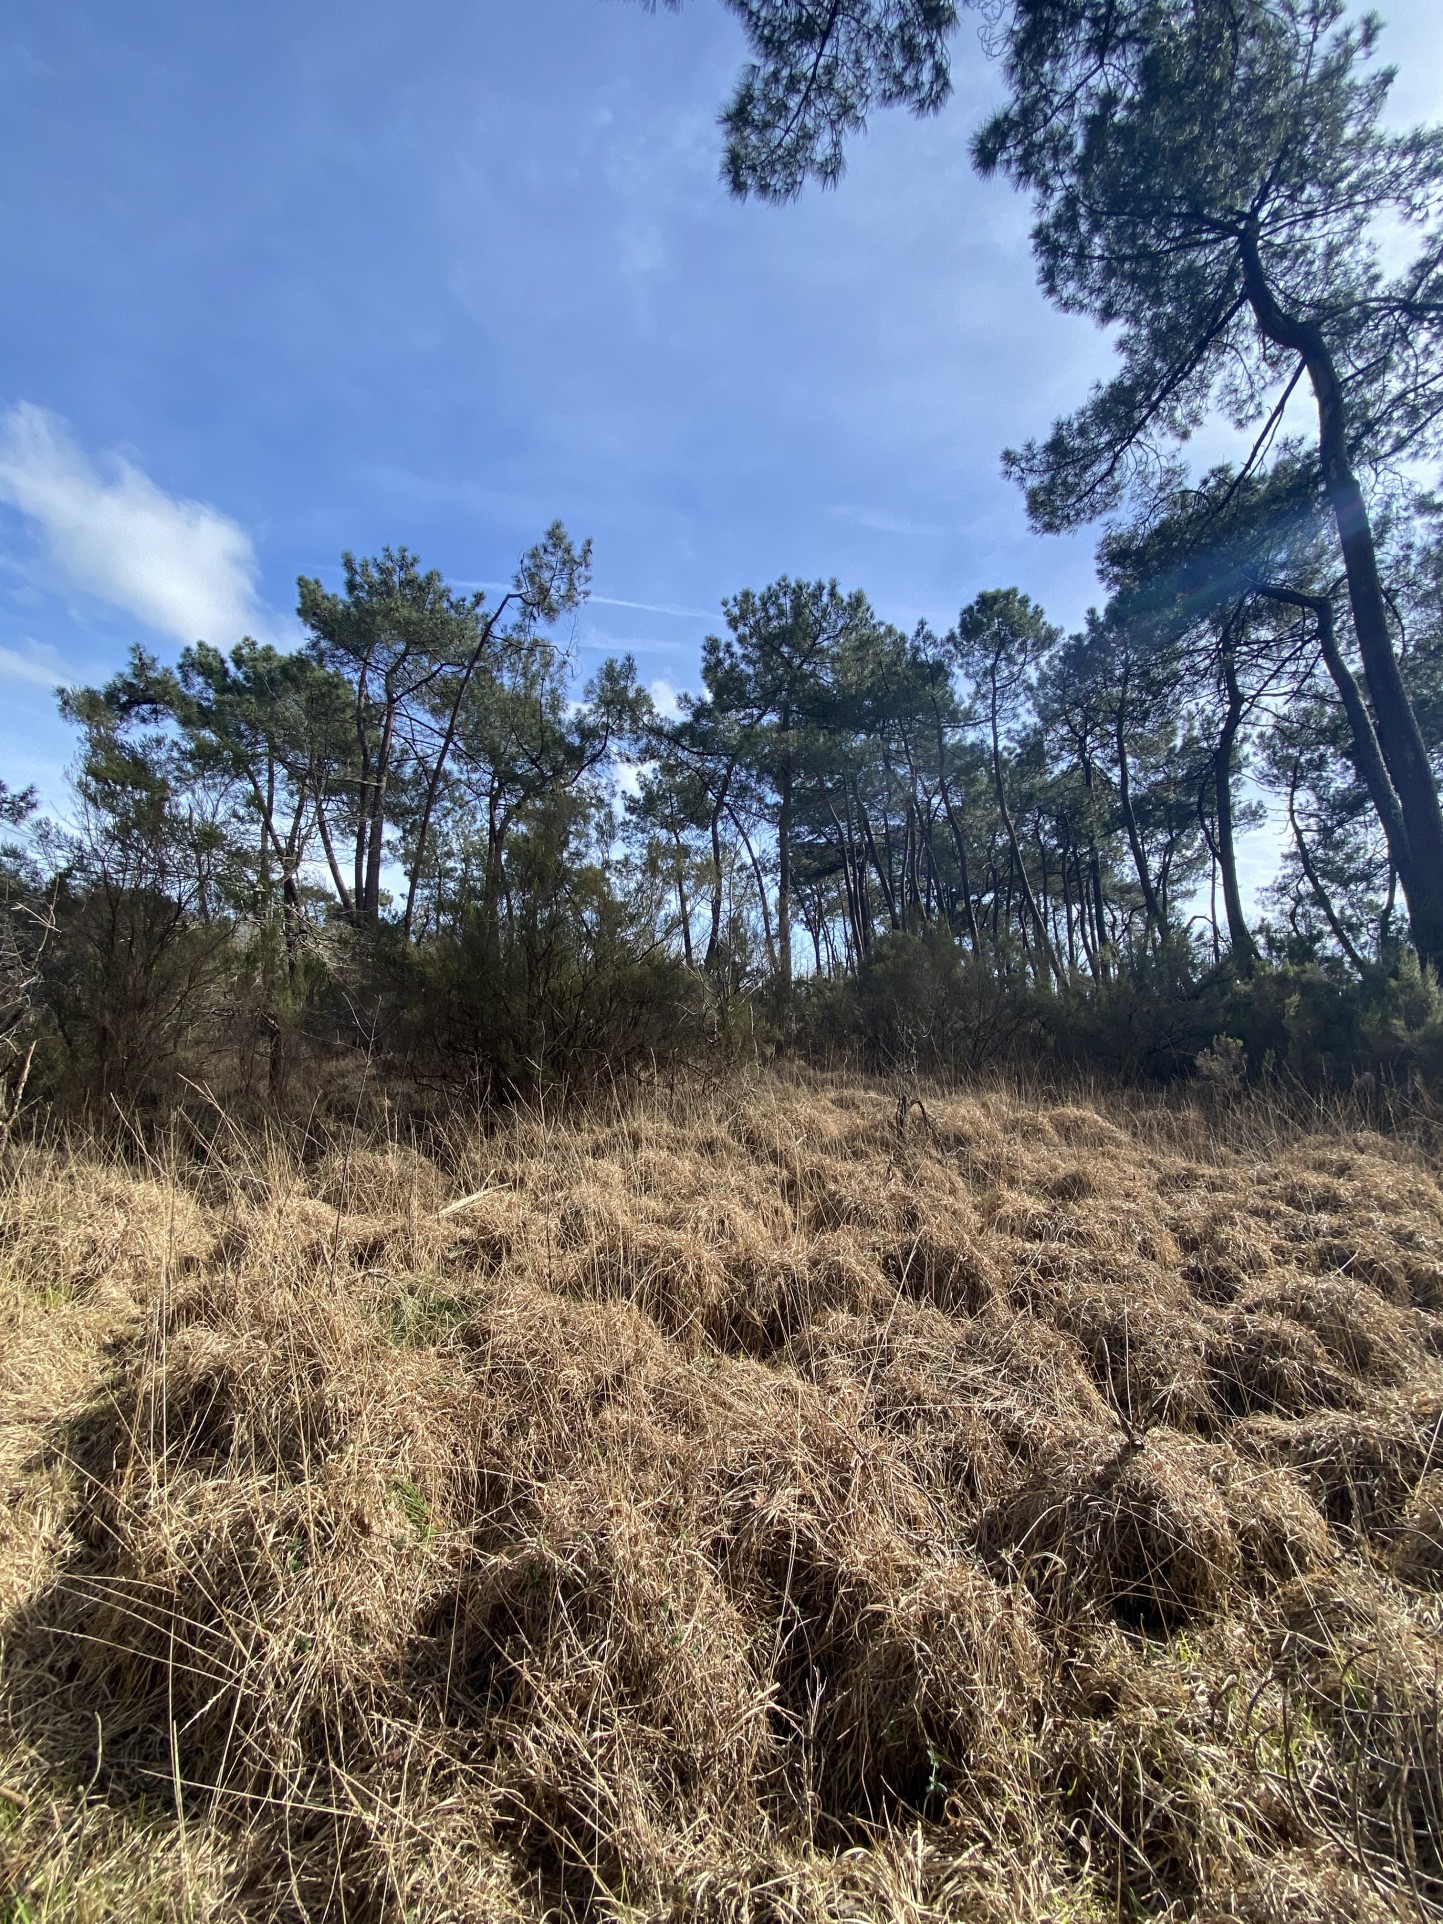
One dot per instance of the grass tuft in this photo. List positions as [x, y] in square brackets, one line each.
[709, 1509]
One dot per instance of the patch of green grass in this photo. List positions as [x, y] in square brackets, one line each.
[36, 1888]
[52, 1295]
[419, 1313]
[92, 1901]
[414, 1508]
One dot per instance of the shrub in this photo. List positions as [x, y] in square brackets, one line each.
[918, 1002]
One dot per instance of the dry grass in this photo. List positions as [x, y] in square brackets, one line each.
[730, 1510]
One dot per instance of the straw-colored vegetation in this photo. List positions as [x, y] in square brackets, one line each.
[734, 1507]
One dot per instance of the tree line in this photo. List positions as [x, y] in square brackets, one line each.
[415, 825]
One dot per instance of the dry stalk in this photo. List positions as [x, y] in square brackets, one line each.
[726, 1507]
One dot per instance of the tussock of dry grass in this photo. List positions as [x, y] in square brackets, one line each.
[730, 1510]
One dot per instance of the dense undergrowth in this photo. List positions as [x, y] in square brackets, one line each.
[761, 1502]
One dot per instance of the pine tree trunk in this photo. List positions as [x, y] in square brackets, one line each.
[713, 940]
[1244, 948]
[784, 868]
[1050, 966]
[1315, 882]
[1129, 821]
[1371, 765]
[958, 843]
[1399, 736]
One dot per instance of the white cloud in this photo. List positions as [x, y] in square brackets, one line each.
[664, 694]
[183, 568]
[651, 607]
[877, 521]
[42, 667]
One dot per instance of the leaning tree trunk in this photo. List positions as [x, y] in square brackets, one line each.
[713, 939]
[683, 906]
[784, 862]
[959, 844]
[1150, 901]
[1315, 881]
[370, 903]
[1244, 948]
[1051, 967]
[1366, 749]
[1399, 736]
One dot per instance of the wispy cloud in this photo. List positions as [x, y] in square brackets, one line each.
[880, 522]
[43, 668]
[598, 641]
[653, 607]
[181, 567]
[605, 601]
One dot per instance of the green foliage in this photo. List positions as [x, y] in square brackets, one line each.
[816, 73]
[414, 1509]
[1404, 1025]
[917, 1002]
[420, 1312]
[1162, 143]
[557, 987]
[1207, 178]
[926, 851]
[25, 925]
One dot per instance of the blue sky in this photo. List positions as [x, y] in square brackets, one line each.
[286, 278]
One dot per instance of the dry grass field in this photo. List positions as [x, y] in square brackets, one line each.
[731, 1507]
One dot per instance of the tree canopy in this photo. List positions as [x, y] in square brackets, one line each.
[1208, 179]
